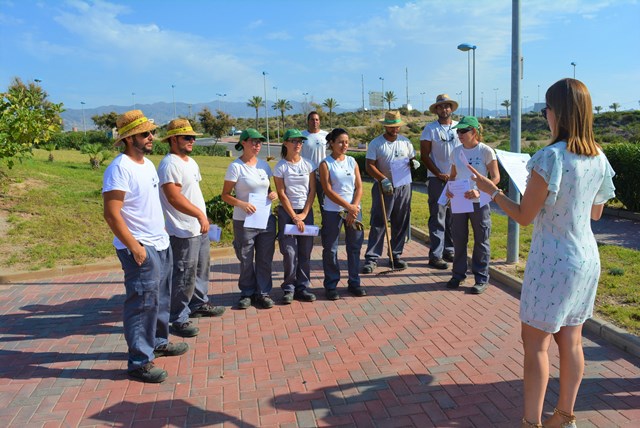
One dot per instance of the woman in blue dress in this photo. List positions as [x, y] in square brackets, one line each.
[569, 182]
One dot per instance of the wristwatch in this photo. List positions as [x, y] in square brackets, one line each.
[495, 193]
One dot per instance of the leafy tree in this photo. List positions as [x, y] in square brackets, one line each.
[27, 119]
[105, 122]
[598, 109]
[389, 97]
[283, 106]
[330, 103]
[256, 102]
[614, 107]
[506, 104]
[218, 125]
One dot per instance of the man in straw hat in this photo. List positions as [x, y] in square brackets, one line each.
[437, 141]
[133, 211]
[188, 227]
[389, 152]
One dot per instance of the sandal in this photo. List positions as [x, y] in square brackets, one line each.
[527, 424]
[568, 420]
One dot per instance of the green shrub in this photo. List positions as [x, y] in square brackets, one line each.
[219, 211]
[625, 158]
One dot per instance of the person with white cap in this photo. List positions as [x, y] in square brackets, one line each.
[188, 226]
[437, 141]
[383, 151]
[133, 211]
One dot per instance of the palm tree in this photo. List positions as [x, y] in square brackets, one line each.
[598, 109]
[506, 104]
[389, 97]
[283, 106]
[330, 103]
[614, 107]
[256, 102]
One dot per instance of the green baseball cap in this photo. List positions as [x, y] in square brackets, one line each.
[293, 133]
[251, 133]
[468, 122]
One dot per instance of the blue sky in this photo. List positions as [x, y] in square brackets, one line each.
[101, 52]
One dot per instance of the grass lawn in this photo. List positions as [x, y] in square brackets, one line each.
[51, 215]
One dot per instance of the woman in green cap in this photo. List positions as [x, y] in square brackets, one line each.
[296, 186]
[254, 247]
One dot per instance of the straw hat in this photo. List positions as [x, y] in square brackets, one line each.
[180, 127]
[443, 99]
[131, 123]
[392, 119]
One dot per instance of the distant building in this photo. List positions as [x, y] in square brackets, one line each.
[537, 107]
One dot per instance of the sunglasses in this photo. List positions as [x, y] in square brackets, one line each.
[144, 135]
[544, 112]
[295, 142]
[188, 137]
[253, 141]
[463, 131]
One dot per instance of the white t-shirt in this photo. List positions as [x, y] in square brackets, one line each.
[296, 180]
[142, 211]
[173, 169]
[342, 177]
[443, 140]
[314, 148]
[383, 152]
[248, 179]
[478, 157]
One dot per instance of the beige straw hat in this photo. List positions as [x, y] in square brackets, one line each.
[131, 123]
[180, 127]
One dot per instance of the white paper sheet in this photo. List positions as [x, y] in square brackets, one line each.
[516, 166]
[443, 199]
[215, 233]
[260, 218]
[309, 230]
[485, 198]
[400, 172]
[460, 204]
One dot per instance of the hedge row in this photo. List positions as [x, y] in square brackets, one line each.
[623, 157]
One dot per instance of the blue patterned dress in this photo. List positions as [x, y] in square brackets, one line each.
[563, 267]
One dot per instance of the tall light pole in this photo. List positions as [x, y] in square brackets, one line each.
[277, 122]
[173, 95]
[84, 125]
[524, 106]
[574, 69]
[266, 111]
[220, 96]
[133, 99]
[538, 95]
[382, 93]
[481, 104]
[422, 94]
[466, 47]
[496, 91]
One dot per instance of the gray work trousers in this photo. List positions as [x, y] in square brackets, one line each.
[254, 249]
[440, 240]
[331, 225]
[480, 220]
[398, 207]
[296, 253]
[191, 263]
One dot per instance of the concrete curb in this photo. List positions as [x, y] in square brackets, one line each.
[629, 215]
[17, 277]
[618, 337]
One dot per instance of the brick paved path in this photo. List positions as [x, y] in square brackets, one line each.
[411, 353]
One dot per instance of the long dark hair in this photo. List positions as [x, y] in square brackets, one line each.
[335, 133]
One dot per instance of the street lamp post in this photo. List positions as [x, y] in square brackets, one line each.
[84, 125]
[496, 91]
[266, 111]
[382, 93]
[173, 95]
[481, 104]
[277, 122]
[466, 47]
[422, 94]
[220, 96]
[574, 69]
[133, 99]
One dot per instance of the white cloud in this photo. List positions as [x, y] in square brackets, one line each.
[279, 35]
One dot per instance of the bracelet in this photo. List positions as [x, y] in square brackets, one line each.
[495, 193]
